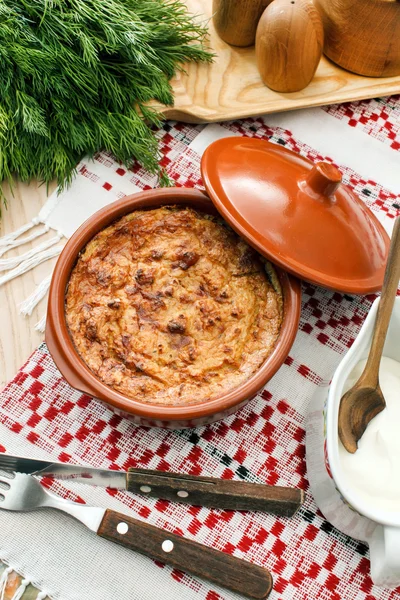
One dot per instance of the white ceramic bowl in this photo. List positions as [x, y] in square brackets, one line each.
[337, 500]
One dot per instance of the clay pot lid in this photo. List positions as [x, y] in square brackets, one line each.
[296, 213]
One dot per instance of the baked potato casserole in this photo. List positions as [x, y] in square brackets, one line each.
[169, 306]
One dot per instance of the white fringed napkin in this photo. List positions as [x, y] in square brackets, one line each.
[63, 558]
[63, 213]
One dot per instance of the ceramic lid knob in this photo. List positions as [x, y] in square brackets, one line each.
[323, 180]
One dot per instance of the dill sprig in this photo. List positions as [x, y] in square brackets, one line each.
[75, 76]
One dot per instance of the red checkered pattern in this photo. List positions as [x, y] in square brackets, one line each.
[263, 442]
[379, 117]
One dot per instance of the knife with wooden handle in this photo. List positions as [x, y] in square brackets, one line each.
[188, 489]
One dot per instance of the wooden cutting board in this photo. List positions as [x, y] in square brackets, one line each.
[231, 87]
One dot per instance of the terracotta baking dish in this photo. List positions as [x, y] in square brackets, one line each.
[80, 377]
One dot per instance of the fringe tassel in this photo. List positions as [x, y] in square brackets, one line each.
[3, 581]
[41, 325]
[26, 307]
[6, 240]
[21, 590]
[30, 263]
[10, 263]
[42, 595]
[24, 240]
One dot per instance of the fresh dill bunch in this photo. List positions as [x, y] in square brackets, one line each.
[75, 77]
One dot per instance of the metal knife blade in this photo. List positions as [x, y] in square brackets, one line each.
[176, 487]
[43, 468]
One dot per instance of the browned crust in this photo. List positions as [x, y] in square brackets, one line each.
[169, 306]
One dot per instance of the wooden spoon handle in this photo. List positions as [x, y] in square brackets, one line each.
[385, 307]
[215, 493]
[222, 569]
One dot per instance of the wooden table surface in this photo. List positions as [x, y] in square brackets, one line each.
[18, 337]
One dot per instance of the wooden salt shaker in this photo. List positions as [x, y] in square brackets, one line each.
[236, 21]
[289, 44]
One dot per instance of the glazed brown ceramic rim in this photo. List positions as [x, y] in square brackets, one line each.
[79, 376]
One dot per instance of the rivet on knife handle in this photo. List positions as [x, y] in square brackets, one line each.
[222, 569]
[215, 493]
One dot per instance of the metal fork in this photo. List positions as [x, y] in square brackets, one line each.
[24, 493]
[20, 492]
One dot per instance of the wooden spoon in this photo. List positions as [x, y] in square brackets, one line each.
[365, 399]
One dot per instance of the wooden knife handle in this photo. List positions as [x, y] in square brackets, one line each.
[222, 569]
[215, 493]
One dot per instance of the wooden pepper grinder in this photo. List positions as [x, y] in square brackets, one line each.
[236, 21]
[363, 36]
[289, 44]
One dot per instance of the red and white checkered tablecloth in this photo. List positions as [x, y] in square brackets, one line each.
[263, 442]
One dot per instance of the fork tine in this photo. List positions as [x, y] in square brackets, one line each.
[21, 493]
[7, 471]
